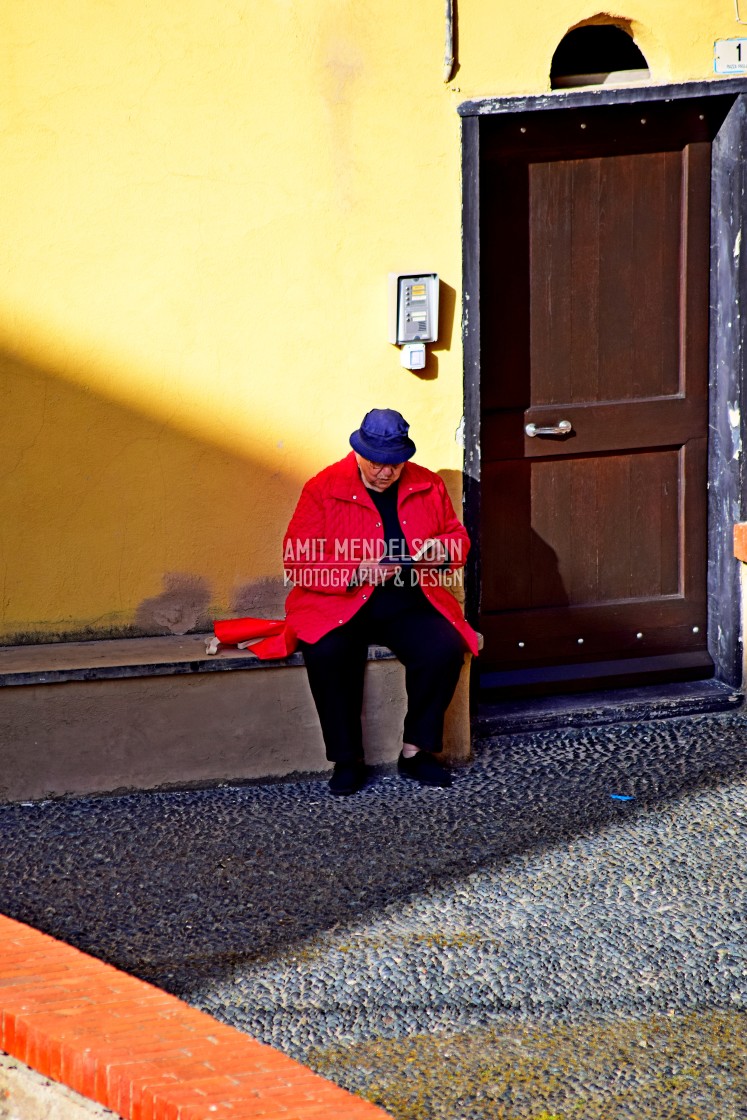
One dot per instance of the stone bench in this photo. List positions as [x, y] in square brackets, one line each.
[158, 713]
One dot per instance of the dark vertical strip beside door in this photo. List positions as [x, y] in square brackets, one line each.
[471, 346]
[728, 352]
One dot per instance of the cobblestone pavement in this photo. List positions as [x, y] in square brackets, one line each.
[561, 935]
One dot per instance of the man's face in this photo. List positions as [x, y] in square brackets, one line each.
[378, 476]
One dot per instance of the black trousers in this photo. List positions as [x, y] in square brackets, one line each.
[429, 647]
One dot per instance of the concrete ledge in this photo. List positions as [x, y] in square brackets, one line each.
[155, 713]
[61, 662]
[140, 1052]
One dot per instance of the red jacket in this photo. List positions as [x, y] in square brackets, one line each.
[336, 526]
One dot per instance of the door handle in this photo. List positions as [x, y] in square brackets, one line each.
[562, 428]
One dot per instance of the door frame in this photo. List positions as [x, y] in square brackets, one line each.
[727, 495]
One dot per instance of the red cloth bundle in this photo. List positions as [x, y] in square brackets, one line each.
[277, 639]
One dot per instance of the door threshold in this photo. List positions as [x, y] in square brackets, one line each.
[622, 705]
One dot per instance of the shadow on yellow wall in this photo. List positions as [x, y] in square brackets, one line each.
[116, 523]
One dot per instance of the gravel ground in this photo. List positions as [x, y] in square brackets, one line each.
[528, 945]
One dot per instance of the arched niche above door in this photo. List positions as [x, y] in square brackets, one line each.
[597, 54]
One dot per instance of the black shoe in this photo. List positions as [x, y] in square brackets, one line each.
[424, 768]
[347, 778]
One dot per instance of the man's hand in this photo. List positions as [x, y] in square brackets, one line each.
[433, 551]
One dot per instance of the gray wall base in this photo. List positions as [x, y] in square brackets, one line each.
[169, 731]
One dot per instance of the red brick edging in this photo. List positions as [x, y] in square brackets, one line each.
[141, 1052]
[740, 540]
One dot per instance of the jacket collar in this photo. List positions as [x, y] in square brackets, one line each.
[348, 485]
[412, 479]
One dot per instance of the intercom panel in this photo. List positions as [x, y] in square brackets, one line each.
[413, 307]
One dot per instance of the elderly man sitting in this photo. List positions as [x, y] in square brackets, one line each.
[369, 550]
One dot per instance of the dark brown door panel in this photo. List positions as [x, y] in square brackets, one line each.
[594, 282]
[638, 628]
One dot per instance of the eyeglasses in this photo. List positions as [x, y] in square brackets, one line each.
[377, 468]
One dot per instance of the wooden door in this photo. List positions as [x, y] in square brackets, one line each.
[594, 310]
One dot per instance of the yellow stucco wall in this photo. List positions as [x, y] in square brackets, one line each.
[200, 206]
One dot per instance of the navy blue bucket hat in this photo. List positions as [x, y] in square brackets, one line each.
[383, 438]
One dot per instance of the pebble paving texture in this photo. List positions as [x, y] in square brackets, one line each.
[524, 946]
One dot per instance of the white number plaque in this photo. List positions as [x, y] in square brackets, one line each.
[730, 56]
